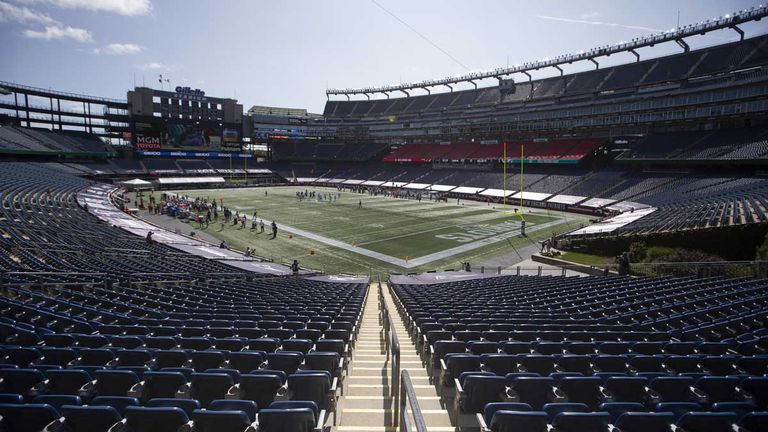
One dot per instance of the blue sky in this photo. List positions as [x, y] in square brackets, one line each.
[287, 52]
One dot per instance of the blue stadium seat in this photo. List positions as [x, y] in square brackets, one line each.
[707, 421]
[518, 421]
[189, 406]
[119, 403]
[220, 421]
[27, 418]
[261, 389]
[89, 418]
[645, 422]
[553, 409]
[578, 422]
[248, 407]
[160, 419]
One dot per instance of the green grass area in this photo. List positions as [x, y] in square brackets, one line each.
[587, 259]
[401, 232]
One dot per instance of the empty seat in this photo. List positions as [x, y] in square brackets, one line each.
[542, 365]
[535, 391]
[246, 361]
[21, 381]
[189, 406]
[286, 361]
[443, 347]
[158, 385]
[754, 422]
[324, 361]
[456, 364]
[27, 418]
[479, 390]
[645, 422]
[89, 418]
[160, 419]
[68, 382]
[58, 400]
[206, 387]
[678, 408]
[120, 403]
[114, 382]
[315, 386]
[631, 389]
[221, 421]
[493, 407]
[519, 421]
[586, 390]
[170, 358]
[287, 419]
[707, 422]
[575, 363]
[720, 389]
[248, 407]
[673, 389]
[499, 364]
[579, 422]
[757, 387]
[261, 389]
[57, 356]
[210, 359]
[616, 409]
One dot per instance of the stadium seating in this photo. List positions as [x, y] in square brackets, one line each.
[100, 339]
[15, 138]
[587, 353]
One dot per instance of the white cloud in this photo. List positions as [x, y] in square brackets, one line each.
[119, 49]
[598, 23]
[122, 7]
[60, 32]
[21, 14]
[153, 66]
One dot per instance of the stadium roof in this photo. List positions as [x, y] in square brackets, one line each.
[729, 21]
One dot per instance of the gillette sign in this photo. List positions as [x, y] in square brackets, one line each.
[189, 93]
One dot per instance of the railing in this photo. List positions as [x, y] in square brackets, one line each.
[393, 354]
[36, 278]
[401, 389]
[407, 392]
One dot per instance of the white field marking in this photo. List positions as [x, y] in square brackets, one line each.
[424, 259]
[462, 221]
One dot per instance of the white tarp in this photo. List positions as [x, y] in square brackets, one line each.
[394, 184]
[441, 188]
[137, 182]
[373, 183]
[597, 202]
[354, 182]
[566, 199]
[532, 196]
[416, 186]
[190, 180]
[467, 190]
[497, 193]
[306, 179]
[614, 223]
[625, 206]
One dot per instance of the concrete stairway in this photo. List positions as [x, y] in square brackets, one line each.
[366, 404]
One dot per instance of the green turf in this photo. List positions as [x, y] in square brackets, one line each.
[586, 259]
[394, 227]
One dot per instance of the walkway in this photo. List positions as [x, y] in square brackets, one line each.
[366, 405]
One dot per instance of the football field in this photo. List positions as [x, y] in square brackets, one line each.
[360, 233]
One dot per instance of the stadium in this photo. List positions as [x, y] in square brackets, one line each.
[537, 247]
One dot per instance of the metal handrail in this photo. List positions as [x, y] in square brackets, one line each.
[401, 387]
[393, 355]
[407, 392]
